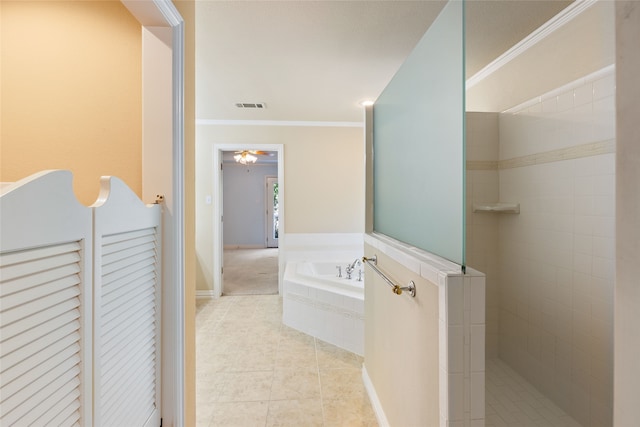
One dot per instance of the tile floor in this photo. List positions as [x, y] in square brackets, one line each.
[511, 401]
[253, 371]
[260, 279]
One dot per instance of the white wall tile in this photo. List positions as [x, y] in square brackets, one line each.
[455, 300]
[477, 348]
[604, 87]
[583, 95]
[456, 397]
[478, 296]
[477, 408]
[550, 105]
[456, 351]
[557, 257]
[565, 101]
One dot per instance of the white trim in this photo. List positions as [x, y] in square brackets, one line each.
[243, 247]
[268, 203]
[564, 17]
[205, 294]
[164, 13]
[294, 123]
[373, 398]
[217, 208]
[178, 220]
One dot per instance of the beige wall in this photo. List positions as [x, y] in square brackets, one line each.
[71, 92]
[627, 298]
[402, 345]
[324, 181]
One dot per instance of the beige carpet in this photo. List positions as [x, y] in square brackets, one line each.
[250, 272]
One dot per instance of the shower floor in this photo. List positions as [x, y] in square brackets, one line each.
[511, 401]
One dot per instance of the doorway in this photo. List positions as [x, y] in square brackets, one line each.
[238, 246]
[273, 206]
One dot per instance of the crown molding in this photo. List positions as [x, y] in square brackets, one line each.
[561, 19]
[293, 123]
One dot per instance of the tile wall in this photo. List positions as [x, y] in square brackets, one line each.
[627, 292]
[556, 274]
[482, 228]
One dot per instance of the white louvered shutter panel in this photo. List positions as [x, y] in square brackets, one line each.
[127, 310]
[45, 304]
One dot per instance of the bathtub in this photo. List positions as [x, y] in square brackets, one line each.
[318, 303]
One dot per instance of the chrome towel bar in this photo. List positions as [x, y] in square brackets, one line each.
[397, 289]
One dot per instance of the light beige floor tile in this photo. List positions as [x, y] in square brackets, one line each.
[204, 413]
[341, 384]
[209, 365]
[244, 386]
[295, 384]
[239, 414]
[296, 353]
[348, 413]
[254, 371]
[299, 360]
[259, 360]
[295, 413]
[332, 357]
[208, 388]
[288, 333]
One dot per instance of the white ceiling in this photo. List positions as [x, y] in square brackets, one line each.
[316, 60]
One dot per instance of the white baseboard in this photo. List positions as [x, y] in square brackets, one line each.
[373, 398]
[205, 294]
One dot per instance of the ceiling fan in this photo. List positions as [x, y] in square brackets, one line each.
[249, 156]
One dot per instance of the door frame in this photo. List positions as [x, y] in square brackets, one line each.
[151, 14]
[218, 243]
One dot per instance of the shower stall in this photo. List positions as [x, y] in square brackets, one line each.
[540, 197]
[510, 171]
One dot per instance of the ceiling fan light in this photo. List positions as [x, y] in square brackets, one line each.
[245, 158]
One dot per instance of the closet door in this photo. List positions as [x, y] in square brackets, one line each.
[45, 303]
[127, 308]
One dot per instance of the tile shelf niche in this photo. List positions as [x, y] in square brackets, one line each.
[509, 208]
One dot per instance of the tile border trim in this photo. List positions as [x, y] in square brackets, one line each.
[585, 150]
[569, 153]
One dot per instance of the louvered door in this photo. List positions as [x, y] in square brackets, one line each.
[45, 307]
[127, 310]
[79, 306]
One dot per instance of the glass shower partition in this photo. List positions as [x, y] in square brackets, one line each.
[418, 143]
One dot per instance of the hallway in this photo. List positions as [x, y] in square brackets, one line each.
[251, 370]
[250, 271]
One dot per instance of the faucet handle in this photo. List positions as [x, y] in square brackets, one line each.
[339, 270]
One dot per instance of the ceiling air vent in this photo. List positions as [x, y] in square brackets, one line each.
[258, 105]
